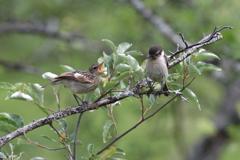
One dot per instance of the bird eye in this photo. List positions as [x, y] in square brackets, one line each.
[95, 67]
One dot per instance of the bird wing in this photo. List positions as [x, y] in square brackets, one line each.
[83, 76]
[166, 59]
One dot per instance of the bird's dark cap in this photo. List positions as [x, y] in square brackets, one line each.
[153, 50]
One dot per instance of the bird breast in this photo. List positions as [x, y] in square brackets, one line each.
[157, 70]
[78, 87]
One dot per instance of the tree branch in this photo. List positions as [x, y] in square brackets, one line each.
[19, 66]
[50, 30]
[143, 119]
[154, 19]
[112, 99]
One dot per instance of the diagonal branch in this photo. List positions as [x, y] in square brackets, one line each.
[143, 119]
[20, 66]
[109, 100]
[154, 19]
[41, 29]
[211, 38]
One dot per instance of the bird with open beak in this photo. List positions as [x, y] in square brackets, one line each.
[80, 82]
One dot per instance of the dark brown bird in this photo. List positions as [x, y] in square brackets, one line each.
[80, 82]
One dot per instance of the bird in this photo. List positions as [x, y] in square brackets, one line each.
[157, 67]
[80, 82]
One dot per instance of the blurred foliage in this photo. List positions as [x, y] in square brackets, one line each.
[97, 20]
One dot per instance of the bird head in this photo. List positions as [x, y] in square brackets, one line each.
[154, 52]
[97, 69]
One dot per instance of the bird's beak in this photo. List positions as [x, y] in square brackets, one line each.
[148, 57]
[100, 68]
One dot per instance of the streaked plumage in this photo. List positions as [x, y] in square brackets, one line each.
[80, 82]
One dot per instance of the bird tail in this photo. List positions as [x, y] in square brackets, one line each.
[165, 88]
[51, 83]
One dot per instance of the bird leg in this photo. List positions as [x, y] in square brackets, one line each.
[150, 86]
[84, 103]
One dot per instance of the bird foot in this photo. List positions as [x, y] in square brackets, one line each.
[85, 104]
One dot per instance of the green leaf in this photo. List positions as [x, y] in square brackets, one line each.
[88, 97]
[21, 96]
[130, 60]
[122, 68]
[120, 76]
[18, 157]
[64, 124]
[37, 93]
[119, 152]
[12, 146]
[51, 139]
[38, 158]
[134, 53]
[139, 73]
[4, 128]
[7, 86]
[179, 68]
[207, 67]
[107, 153]
[3, 154]
[193, 69]
[123, 47]
[203, 54]
[17, 119]
[90, 148]
[188, 93]
[118, 103]
[49, 75]
[21, 86]
[106, 109]
[106, 129]
[41, 108]
[110, 85]
[151, 100]
[7, 121]
[108, 61]
[21, 141]
[67, 68]
[173, 77]
[111, 45]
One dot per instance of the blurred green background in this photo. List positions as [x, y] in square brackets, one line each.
[173, 132]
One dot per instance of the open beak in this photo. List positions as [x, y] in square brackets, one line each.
[100, 68]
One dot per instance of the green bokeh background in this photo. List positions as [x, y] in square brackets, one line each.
[159, 138]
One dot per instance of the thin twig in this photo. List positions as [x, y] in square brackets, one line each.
[129, 81]
[64, 142]
[111, 99]
[42, 146]
[113, 119]
[76, 135]
[142, 120]
[108, 91]
[142, 106]
[183, 39]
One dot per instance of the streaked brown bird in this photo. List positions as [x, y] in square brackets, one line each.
[157, 67]
[80, 82]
